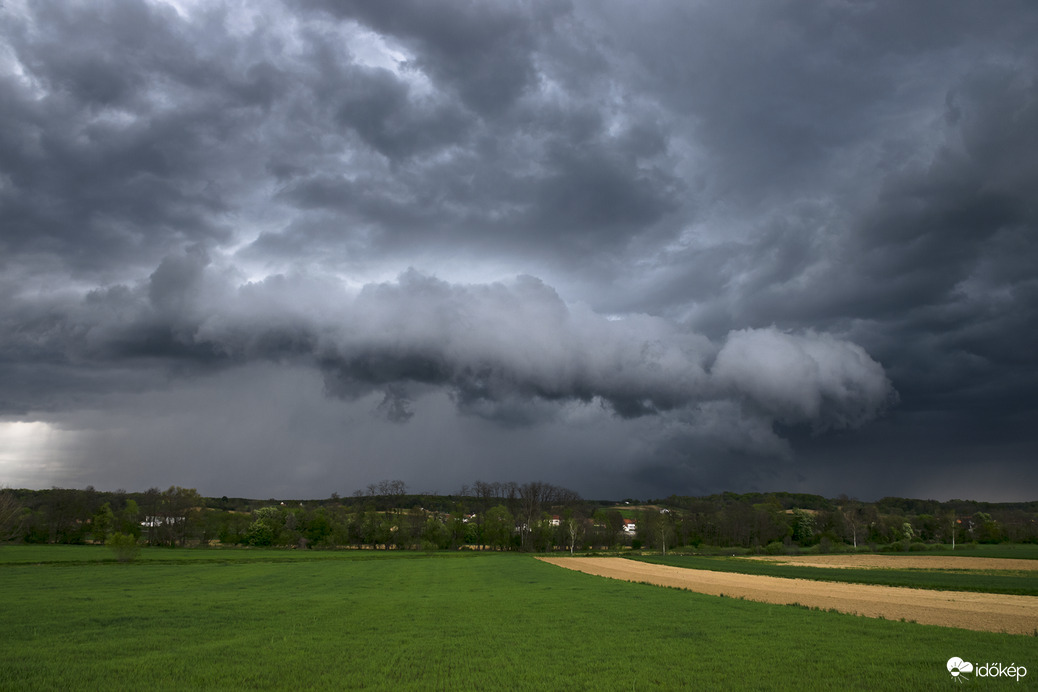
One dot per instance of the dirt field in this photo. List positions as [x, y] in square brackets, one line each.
[902, 562]
[975, 611]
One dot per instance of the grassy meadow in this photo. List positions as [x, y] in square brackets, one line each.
[73, 619]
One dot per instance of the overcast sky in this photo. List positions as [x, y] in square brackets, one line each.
[633, 249]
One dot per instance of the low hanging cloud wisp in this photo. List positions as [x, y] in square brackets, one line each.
[490, 346]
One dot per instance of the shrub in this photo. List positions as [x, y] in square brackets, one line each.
[125, 547]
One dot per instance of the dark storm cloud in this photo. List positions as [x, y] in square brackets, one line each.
[488, 153]
[751, 223]
[140, 131]
[102, 167]
[484, 53]
[933, 269]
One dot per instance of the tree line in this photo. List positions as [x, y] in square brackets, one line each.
[533, 516]
[765, 519]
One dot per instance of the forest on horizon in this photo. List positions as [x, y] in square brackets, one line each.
[534, 516]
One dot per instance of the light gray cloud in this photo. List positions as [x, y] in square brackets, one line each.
[812, 378]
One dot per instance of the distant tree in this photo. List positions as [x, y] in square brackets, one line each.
[615, 523]
[971, 527]
[498, 527]
[928, 528]
[664, 529]
[533, 499]
[388, 494]
[182, 507]
[457, 530]
[266, 527]
[381, 528]
[542, 534]
[170, 514]
[367, 528]
[435, 534]
[102, 523]
[129, 519]
[853, 519]
[67, 515]
[574, 529]
[233, 528]
[474, 534]
[486, 494]
[317, 527]
[988, 530]
[656, 529]
[12, 514]
[350, 530]
[803, 527]
[260, 535]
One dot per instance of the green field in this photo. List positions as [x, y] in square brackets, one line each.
[1022, 551]
[87, 554]
[198, 619]
[1019, 582]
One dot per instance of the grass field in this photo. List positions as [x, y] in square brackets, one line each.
[1024, 551]
[998, 550]
[989, 581]
[196, 619]
[86, 554]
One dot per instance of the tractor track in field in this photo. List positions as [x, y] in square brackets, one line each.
[967, 610]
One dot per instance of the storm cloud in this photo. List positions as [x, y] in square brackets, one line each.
[484, 343]
[682, 248]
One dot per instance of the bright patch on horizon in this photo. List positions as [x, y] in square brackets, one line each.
[28, 451]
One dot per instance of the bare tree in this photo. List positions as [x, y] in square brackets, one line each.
[663, 529]
[852, 516]
[535, 498]
[574, 530]
[11, 515]
[392, 488]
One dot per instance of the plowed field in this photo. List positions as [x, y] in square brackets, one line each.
[975, 611]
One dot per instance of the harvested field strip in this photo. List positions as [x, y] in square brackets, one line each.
[1021, 582]
[902, 562]
[975, 611]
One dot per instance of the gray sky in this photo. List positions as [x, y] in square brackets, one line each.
[271, 249]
